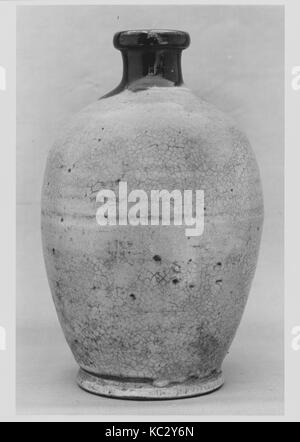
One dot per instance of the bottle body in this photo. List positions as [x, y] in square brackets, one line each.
[148, 311]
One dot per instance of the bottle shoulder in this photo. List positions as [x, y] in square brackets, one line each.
[164, 114]
[162, 104]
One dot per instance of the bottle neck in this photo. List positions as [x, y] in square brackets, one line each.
[145, 68]
[160, 67]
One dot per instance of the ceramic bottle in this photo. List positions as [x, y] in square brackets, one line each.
[148, 310]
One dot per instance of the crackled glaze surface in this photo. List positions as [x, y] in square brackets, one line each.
[148, 305]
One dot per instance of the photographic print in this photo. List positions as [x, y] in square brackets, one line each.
[150, 210]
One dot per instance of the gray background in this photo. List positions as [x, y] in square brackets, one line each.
[65, 60]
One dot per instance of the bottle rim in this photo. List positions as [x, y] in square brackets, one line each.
[151, 38]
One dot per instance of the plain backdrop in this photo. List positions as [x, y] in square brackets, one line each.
[66, 60]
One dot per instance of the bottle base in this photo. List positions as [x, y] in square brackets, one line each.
[145, 390]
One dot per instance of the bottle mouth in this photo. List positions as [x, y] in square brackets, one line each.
[151, 38]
